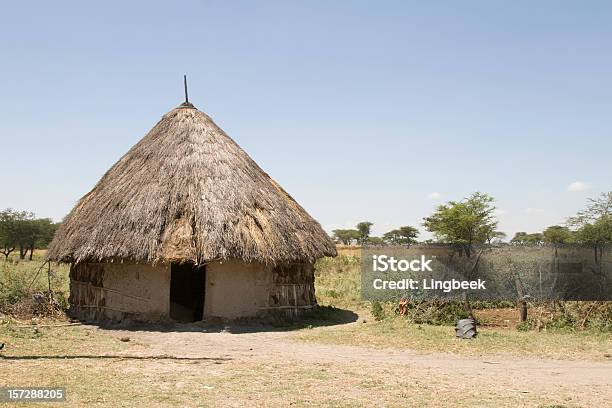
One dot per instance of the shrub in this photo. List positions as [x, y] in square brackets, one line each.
[24, 287]
[378, 311]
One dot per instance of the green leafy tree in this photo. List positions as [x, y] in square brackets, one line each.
[375, 241]
[402, 236]
[346, 236]
[596, 235]
[364, 230]
[594, 224]
[467, 222]
[535, 238]
[20, 229]
[596, 208]
[557, 234]
[8, 232]
[519, 238]
[525, 238]
[26, 231]
[41, 233]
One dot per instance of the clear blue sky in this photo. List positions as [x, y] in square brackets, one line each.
[361, 110]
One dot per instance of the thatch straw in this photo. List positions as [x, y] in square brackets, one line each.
[188, 192]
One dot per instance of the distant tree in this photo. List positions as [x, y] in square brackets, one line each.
[594, 224]
[467, 222]
[41, 234]
[364, 230]
[346, 236]
[402, 236]
[556, 234]
[26, 230]
[599, 231]
[375, 241]
[596, 235]
[8, 232]
[20, 229]
[525, 238]
[519, 238]
[535, 238]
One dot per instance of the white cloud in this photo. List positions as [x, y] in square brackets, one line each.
[434, 195]
[499, 211]
[578, 186]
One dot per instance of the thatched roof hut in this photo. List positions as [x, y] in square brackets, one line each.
[187, 194]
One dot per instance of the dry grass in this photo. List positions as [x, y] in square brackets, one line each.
[109, 372]
[348, 250]
[397, 333]
[19, 279]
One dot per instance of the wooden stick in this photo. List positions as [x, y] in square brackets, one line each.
[32, 326]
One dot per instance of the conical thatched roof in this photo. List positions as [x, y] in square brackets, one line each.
[188, 192]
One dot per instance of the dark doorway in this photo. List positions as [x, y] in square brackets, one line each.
[187, 286]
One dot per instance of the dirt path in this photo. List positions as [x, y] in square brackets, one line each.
[505, 380]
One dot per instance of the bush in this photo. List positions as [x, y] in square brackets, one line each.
[24, 287]
[377, 311]
[576, 315]
[436, 312]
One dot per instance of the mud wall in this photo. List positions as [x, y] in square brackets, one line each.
[235, 289]
[117, 292]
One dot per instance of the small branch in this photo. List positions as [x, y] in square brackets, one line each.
[32, 326]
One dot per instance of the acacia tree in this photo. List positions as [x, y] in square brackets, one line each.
[596, 235]
[8, 232]
[20, 229]
[557, 234]
[346, 236]
[364, 231]
[41, 232]
[595, 209]
[26, 230]
[525, 238]
[375, 241]
[405, 235]
[465, 223]
[594, 224]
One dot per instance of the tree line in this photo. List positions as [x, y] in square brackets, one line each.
[468, 222]
[361, 235]
[22, 231]
[592, 226]
[472, 221]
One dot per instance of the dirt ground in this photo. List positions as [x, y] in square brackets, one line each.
[569, 382]
[201, 366]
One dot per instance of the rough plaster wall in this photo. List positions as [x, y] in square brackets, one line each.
[235, 289]
[138, 289]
